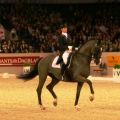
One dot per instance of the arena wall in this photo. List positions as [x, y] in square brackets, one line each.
[14, 63]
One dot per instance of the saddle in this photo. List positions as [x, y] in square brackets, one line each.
[58, 62]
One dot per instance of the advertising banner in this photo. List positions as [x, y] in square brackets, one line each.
[18, 61]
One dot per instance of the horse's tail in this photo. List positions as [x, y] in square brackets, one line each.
[31, 74]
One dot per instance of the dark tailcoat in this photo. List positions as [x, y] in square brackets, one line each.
[64, 42]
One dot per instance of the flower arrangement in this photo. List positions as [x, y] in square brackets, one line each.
[116, 66]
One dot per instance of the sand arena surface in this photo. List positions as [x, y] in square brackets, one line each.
[18, 101]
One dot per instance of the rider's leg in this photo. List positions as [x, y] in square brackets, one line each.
[63, 68]
[60, 59]
[69, 59]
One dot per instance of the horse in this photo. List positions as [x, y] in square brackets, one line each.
[78, 71]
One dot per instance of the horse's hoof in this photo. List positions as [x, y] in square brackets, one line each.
[55, 102]
[91, 98]
[77, 107]
[42, 107]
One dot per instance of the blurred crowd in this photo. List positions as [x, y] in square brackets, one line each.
[35, 28]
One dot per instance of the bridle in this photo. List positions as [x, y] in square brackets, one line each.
[95, 51]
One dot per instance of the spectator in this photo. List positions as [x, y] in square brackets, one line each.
[36, 29]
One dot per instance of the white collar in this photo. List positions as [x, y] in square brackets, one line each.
[65, 34]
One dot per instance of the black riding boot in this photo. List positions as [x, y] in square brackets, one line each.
[60, 59]
[63, 68]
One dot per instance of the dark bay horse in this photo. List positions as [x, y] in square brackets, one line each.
[78, 71]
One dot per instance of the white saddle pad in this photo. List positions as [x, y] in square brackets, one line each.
[54, 65]
[64, 56]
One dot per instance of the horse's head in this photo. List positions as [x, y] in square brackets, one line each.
[97, 52]
[91, 49]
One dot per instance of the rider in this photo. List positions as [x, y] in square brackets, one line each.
[65, 47]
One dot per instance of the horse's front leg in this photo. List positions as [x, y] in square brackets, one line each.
[91, 90]
[80, 79]
[79, 86]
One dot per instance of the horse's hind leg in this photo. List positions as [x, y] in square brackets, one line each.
[50, 88]
[39, 89]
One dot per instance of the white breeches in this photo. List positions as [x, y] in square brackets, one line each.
[65, 56]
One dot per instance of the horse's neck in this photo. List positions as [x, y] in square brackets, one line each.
[87, 49]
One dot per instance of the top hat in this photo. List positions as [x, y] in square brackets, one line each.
[63, 26]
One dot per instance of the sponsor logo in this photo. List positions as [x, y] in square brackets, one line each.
[18, 61]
